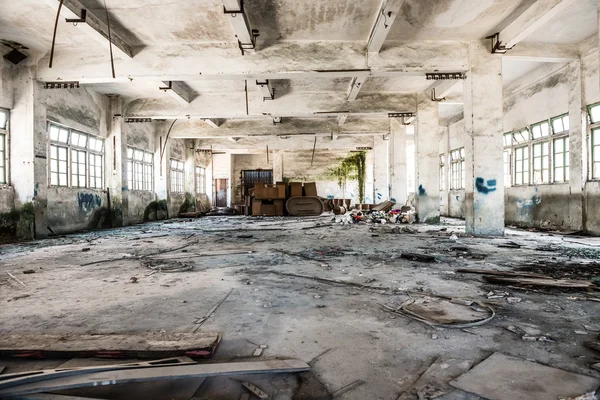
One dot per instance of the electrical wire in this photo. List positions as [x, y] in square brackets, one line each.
[112, 61]
[54, 34]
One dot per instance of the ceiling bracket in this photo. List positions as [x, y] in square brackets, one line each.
[497, 46]
[75, 21]
[165, 88]
[433, 98]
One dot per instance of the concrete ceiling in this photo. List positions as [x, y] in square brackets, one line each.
[194, 39]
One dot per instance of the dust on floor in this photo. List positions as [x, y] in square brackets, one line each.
[298, 317]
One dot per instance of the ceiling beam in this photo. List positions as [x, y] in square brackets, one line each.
[443, 88]
[544, 52]
[532, 19]
[178, 90]
[355, 87]
[213, 123]
[239, 22]
[266, 89]
[386, 15]
[94, 26]
[341, 119]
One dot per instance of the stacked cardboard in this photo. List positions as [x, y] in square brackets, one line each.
[269, 199]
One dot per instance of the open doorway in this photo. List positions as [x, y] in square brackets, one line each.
[221, 192]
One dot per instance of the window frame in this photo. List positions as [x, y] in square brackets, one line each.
[442, 172]
[140, 176]
[88, 148]
[594, 157]
[200, 172]
[4, 147]
[524, 162]
[589, 113]
[177, 175]
[457, 169]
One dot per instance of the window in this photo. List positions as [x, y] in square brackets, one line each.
[507, 172]
[522, 165]
[457, 166]
[560, 124]
[561, 159]
[84, 154]
[508, 139]
[3, 135]
[140, 169]
[594, 113]
[595, 141]
[540, 130]
[521, 136]
[442, 173]
[541, 162]
[177, 176]
[200, 180]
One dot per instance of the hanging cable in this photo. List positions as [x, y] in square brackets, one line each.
[112, 61]
[54, 34]
[162, 151]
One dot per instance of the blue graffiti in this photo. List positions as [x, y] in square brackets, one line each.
[393, 199]
[483, 188]
[422, 191]
[88, 201]
[379, 196]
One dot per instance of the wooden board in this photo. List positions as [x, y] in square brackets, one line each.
[499, 273]
[438, 376]
[501, 377]
[139, 346]
[546, 282]
[160, 373]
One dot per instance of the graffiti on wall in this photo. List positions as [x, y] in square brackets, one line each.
[88, 201]
[485, 187]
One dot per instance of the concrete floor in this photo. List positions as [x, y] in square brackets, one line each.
[298, 317]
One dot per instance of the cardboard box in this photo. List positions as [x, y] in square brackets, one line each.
[269, 192]
[268, 208]
[310, 189]
[256, 207]
[295, 189]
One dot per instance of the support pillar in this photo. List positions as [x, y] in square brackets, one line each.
[116, 164]
[484, 176]
[189, 162]
[427, 141]
[577, 174]
[161, 171]
[277, 166]
[397, 162]
[381, 189]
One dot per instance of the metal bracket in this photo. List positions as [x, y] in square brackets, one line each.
[497, 46]
[433, 98]
[170, 87]
[75, 21]
[401, 115]
[272, 97]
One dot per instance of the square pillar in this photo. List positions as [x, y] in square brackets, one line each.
[277, 165]
[427, 141]
[381, 188]
[577, 174]
[161, 164]
[116, 165]
[484, 168]
[397, 162]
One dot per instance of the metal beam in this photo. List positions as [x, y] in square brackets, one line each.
[355, 87]
[383, 24]
[178, 90]
[239, 22]
[94, 27]
[532, 19]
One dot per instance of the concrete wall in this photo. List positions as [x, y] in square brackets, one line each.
[242, 162]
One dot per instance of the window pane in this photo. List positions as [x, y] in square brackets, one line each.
[148, 157]
[545, 129]
[129, 152]
[595, 113]
[54, 178]
[507, 139]
[54, 134]
[3, 119]
[138, 155]
[62, 179]
[82, 140]
[63, 135]
[566, 123]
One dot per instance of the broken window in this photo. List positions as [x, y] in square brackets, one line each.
[442, 173]
[541, 162]
[521, 136]
[177, 176]
[560, 124]
[507, 170]
[595, 145]
[140, 169]
[594, 113]
[540, 130]
[84, 153]
[522, 165]
[457, 168]
[3, 136]
[200, 180]
[561, 159]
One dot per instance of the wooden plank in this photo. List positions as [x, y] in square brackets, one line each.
[499, 273]
[501, 377]
[159, 373]
[139, 346]
[546, 282]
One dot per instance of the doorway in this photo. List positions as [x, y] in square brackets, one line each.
[221, 192]
[252, 176]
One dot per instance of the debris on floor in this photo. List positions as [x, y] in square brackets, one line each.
[435, 381]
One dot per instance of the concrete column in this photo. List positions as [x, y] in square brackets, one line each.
[484, 177]
[577, 174]
[161, 166]
[115, 163]
[189, 174]
[427, 141]
[381, 189]
[397, 162]
[369, 180]
[277, 166]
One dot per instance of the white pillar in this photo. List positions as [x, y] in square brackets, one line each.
[427, 140]
[116, 163]
[277, 166]
[381, 189]
[369, 184]
[397, 162]
[484, 177]
[577, 174]
[161, 169]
